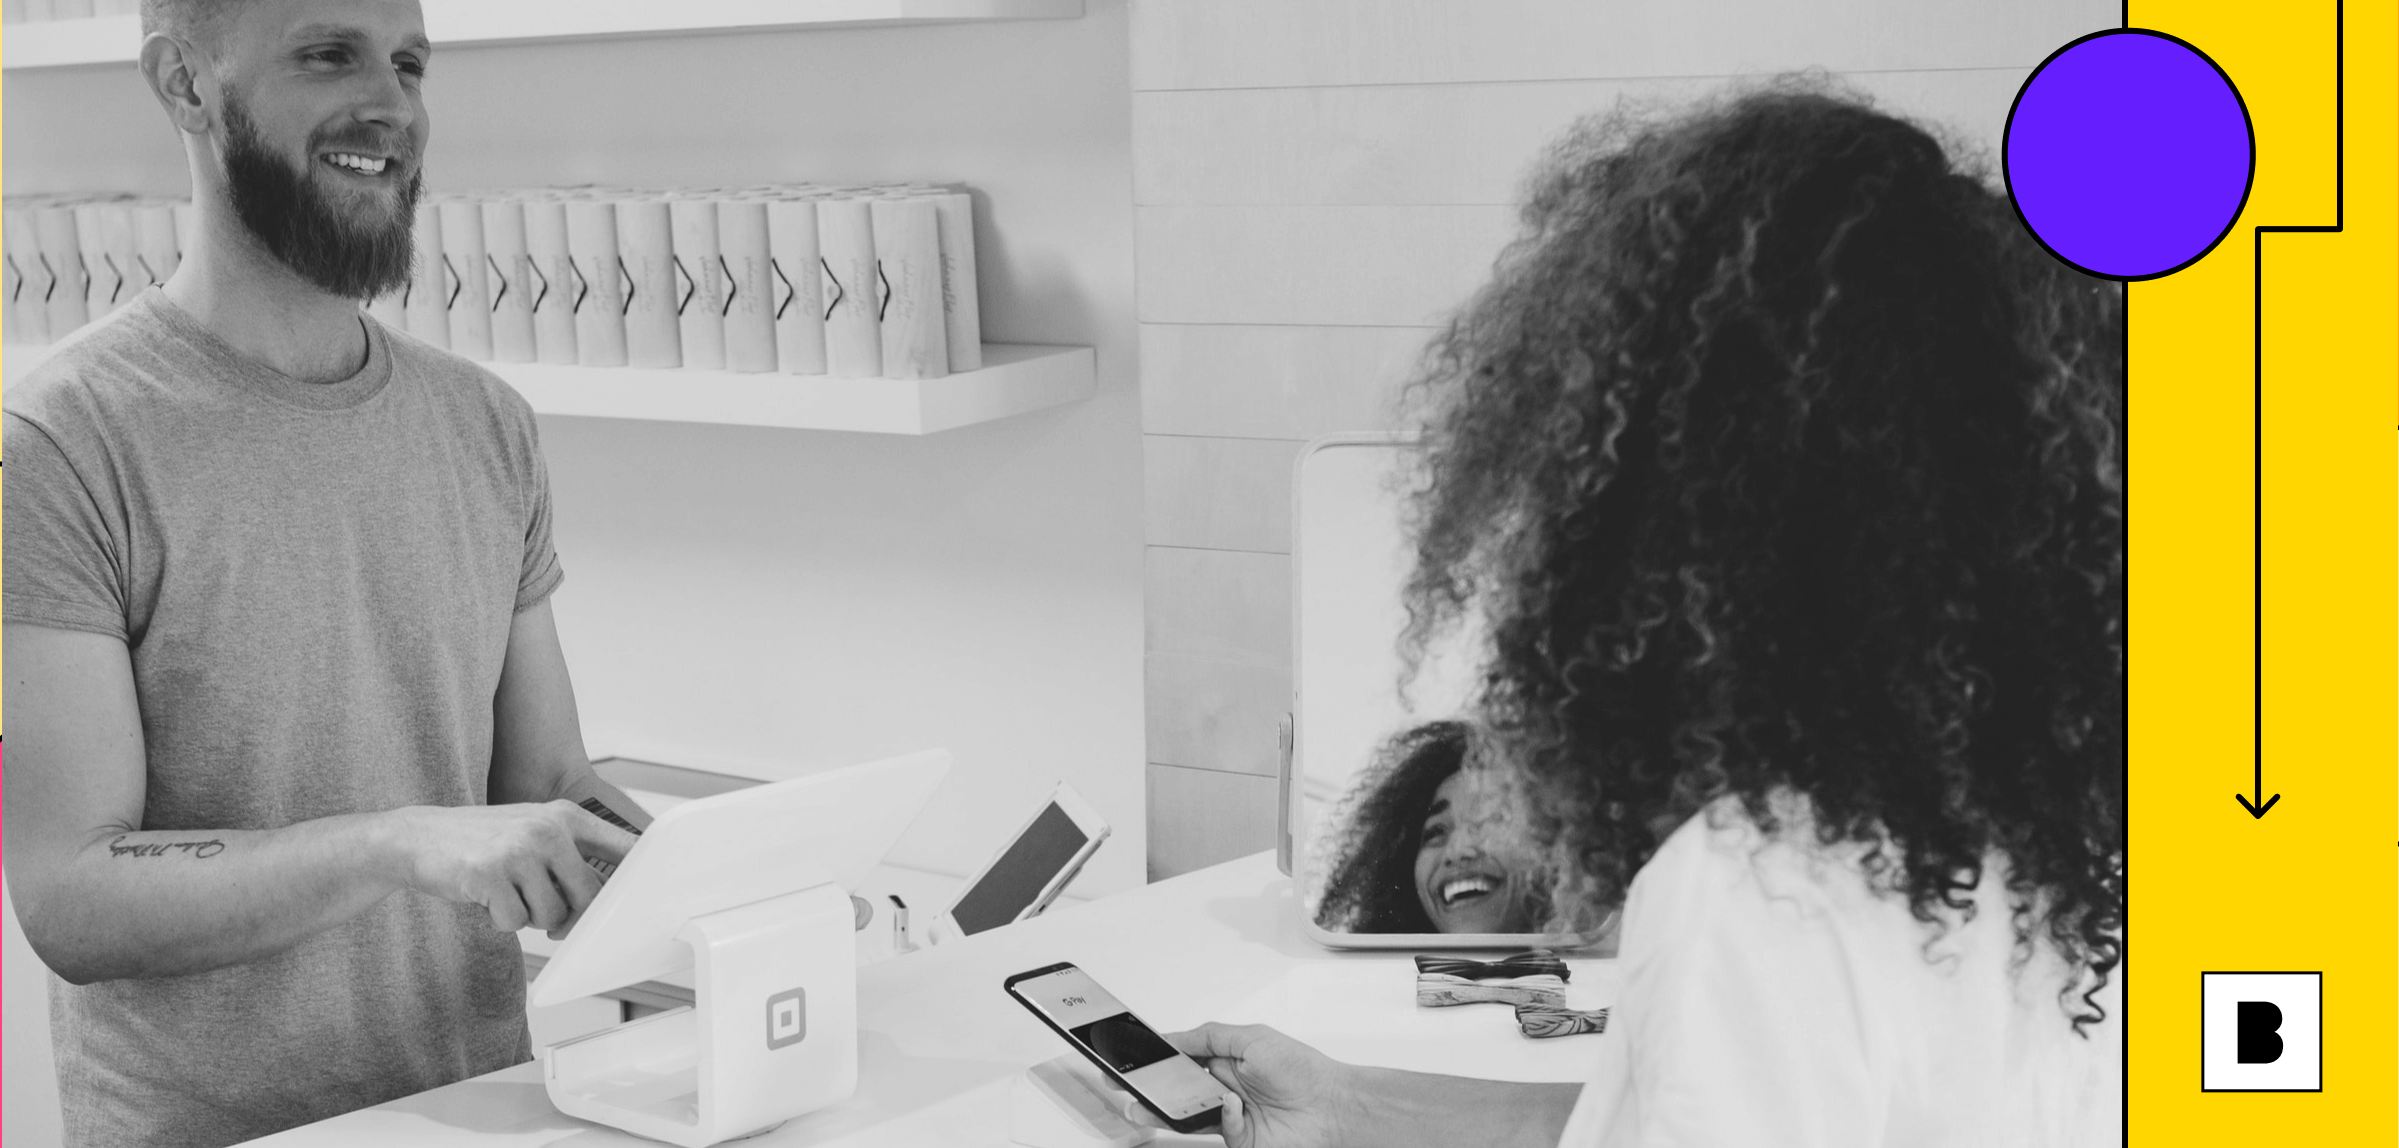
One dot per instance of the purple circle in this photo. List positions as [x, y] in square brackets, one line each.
[2129, 154]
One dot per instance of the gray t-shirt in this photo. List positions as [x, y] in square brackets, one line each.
[316, 584]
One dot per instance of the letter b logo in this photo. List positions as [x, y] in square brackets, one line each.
[2261, 1032]
[2259, 1040]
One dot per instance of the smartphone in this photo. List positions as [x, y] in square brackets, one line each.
[1168, 1083]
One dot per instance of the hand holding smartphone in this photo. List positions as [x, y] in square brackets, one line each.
[1171, 1085]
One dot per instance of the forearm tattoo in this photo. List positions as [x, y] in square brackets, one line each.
[200, 850]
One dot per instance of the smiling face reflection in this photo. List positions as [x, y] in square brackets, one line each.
[1464, 879]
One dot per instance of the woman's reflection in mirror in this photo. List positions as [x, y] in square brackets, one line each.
[1427, 845]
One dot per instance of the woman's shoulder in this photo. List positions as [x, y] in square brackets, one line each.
[1762, 947]
[1728, 890]
[1728, 850]
[1746, 876]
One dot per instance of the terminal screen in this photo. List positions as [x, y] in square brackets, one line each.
[1016, 880]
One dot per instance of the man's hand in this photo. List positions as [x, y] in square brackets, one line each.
[522, 863]
[1284, 1093]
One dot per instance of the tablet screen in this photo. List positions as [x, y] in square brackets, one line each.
[1017, 878]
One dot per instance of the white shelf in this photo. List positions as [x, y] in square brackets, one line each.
[462, 23]
[1015, 378]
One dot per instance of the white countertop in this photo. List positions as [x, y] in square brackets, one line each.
[939, 1042]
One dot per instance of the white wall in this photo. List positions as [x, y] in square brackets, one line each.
[790, 599]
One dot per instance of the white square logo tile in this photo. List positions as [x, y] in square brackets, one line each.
[2261, 1032]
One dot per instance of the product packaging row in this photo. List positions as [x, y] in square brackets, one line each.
[849, 281]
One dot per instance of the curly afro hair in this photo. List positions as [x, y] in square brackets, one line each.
[1779, 458]
[1370, 874]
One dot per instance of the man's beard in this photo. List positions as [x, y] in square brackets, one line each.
[291, 215]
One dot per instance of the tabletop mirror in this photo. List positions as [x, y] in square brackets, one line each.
[1392, 841]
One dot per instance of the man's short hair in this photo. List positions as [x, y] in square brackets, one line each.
[193, 21]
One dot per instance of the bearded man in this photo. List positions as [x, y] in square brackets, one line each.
[296, 749]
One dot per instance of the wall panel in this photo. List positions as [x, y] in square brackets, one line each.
[1431, 144]
[1217, 713]
[1217, 817]
[1347, 266]
[1219, 493]
[1274, 381]
[1312, 43]
[1219, 604]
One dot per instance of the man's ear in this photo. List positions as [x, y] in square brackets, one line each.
[172, 67]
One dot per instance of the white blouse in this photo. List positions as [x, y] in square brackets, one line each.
[1770, 997]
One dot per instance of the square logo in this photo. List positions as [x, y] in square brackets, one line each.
[786, 1018]
[2261, 1032]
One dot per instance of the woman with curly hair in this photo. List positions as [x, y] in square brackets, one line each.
[1423, 846]
[1785, 472]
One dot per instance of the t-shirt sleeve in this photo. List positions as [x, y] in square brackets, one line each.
[540, 573]
[62, 565]
[1742, 1024]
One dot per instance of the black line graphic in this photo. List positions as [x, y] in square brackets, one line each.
[2256, 801]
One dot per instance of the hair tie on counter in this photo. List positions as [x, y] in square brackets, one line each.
[1538, 962]
[1542, 1022]
[1433, 990]
[1534, 978]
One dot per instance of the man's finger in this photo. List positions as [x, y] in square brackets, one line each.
[544, 908]
[578, 885]
[566, 926]
[507, 909]
[597, 838]
[577, 881]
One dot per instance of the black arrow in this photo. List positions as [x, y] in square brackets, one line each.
[2255, 809]
[2258, 803]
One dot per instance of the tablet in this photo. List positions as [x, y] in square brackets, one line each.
[729, 850]
[1037, 864]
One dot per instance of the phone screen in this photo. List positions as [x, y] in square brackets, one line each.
[1107, 1032]
[1017, 878]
